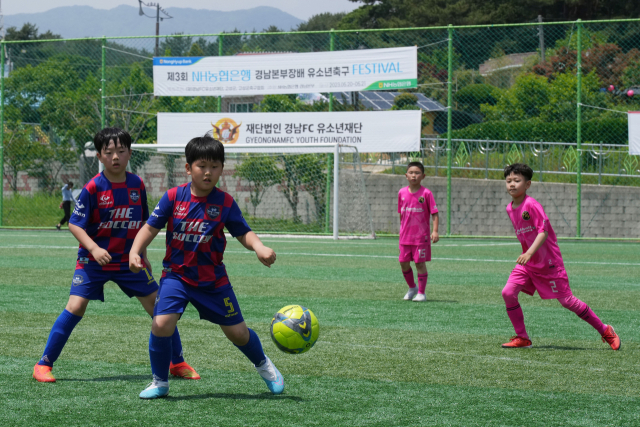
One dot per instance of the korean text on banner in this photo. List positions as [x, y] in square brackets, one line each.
[634, 132]
[286, 73]
[369, 131]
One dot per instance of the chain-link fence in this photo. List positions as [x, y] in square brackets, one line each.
[553, 95]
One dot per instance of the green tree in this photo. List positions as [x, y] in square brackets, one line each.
[322, 22]
[18, 152]
[409, 101]
[261, 172]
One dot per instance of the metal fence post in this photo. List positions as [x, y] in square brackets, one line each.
[579, 129]
[327, 212]
[449, 127]
[220, 52]
[103, 112]
[2, 47]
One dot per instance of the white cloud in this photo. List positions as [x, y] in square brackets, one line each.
[302, 9]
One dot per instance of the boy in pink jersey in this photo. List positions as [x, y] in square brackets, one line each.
[416, 206]
[540, 267]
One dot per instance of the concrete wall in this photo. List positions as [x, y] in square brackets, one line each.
[478, 206]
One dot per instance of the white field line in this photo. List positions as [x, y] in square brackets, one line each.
[510, 261]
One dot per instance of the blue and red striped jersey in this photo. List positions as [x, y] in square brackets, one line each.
[112, 214]
[195, 235]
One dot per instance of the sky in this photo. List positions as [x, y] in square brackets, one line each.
[302, 9]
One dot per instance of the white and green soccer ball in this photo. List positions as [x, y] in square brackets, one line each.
[294, 329]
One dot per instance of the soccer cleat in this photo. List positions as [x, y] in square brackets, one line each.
[411, 293]
[58, 227]
[42, 373]
[271, 376]
[611, 337]
[155, 389]
[518, 342]
[419, 298]
[183, 370]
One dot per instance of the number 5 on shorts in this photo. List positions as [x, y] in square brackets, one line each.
[553, 286]
[229, 304]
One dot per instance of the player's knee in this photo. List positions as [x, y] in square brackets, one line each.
[571, 303]
[509, 294]
[163, 326]
[77, 305]
[405, 266]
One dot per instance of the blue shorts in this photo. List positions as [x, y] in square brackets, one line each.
[217, 305]
[89, 284]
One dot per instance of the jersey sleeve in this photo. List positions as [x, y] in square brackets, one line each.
[433, 208]
[539, 217]
[162, 212]
[143, 196]
[82, 212]
[235, 222]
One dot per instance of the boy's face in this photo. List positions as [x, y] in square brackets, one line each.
[115, 157]
[205, 174]
[517, 185]
[414, 175]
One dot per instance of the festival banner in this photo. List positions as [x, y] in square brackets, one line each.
[368, 131]
[286, 73]
[634, 132]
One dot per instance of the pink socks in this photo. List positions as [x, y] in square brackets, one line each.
[584, 312]
[422, 282]
[514, 311]
[408, 277]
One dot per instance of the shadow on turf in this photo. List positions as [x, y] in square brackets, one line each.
[236, 396]
[557, 347]
[116, 378]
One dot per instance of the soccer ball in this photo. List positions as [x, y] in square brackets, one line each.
[294, 329]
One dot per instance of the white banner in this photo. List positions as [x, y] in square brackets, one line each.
[369, 131]
[634, 132]
[282, 73]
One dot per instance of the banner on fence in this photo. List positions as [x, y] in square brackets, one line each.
[634, 132]
[284, 73]
[369, 131]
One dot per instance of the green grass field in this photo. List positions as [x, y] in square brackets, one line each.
[379, 361]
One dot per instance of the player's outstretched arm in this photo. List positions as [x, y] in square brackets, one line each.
[525, 257]
[252, 242]
[99, 254]
[144, 237]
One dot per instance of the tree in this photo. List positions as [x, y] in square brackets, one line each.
[261, 173]
[18, 152]
[408, 101]
[48, 160]
[322, 22]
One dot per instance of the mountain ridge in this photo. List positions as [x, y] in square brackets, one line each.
[123, 20]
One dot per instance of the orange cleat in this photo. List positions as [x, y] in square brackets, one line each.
[518, 342]
[43, 374]
[611, 337]
[183, 370]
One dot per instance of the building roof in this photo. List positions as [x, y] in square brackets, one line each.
[514, 60]
[383, 100]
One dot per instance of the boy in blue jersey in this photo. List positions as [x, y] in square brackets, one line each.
[196, 214]
[109, 212]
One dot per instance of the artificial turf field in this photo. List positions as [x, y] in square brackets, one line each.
[379, 360]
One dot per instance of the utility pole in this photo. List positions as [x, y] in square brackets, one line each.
[158, 19]
[541, 36]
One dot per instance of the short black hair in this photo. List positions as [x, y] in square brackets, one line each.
[416, 164]
[117, 135]
[70, 183]
[204, 148]
[519, 169]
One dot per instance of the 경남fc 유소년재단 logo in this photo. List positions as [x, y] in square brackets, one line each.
[226, 131]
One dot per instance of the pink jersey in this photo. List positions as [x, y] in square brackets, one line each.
[529, 220]
[415, 211]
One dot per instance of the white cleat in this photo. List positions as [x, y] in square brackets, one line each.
[271, 376]
[155, 390]
[410, 294]
[420, 298]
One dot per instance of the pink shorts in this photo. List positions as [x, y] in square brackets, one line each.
[415, 253]
[549, 286]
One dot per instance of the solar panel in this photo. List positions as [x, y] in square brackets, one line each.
[387, 96]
